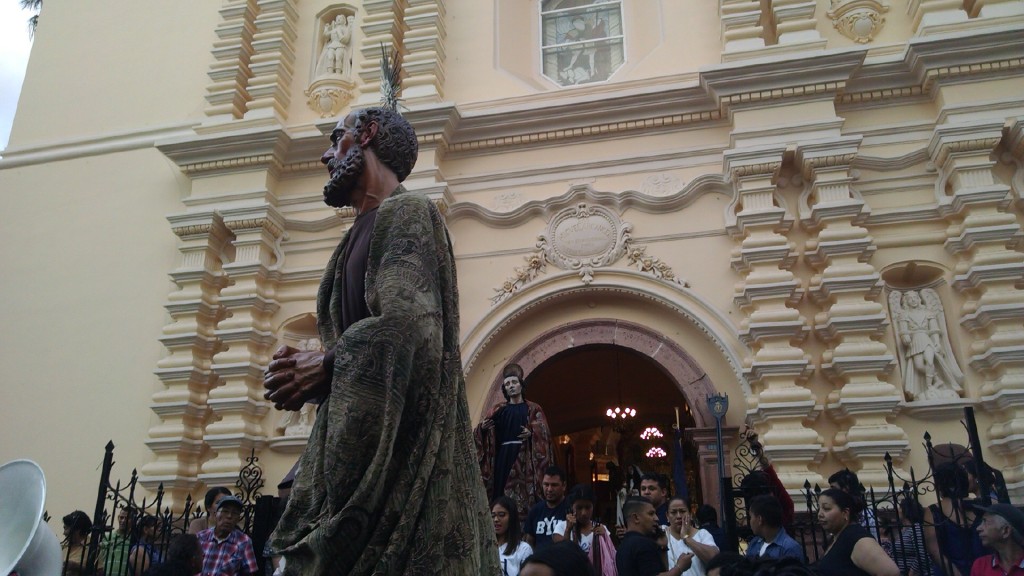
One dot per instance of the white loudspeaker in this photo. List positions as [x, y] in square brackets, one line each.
[27, 544]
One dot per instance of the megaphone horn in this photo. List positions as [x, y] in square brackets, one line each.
[27, 544]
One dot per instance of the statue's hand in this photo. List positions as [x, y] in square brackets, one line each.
[487, 424]
[294, 377]
[525, 434]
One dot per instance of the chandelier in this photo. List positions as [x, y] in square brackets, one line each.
[651, 432]
[620, 411]
[656, 452]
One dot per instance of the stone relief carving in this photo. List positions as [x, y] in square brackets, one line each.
[300, 424]
[637, 256]
[507, 201]
[332, 86]
[582, 239]
[536, 265]
[661, 185]
[930, 371]
[336, 55]
[858, 20]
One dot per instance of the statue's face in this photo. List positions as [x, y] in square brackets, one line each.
[345, 163]
[512, 385]
[912, 299]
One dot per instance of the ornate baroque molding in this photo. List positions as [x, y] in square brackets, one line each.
[583, 239]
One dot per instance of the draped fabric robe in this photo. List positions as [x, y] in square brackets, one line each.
[523, 485]
[388, 482]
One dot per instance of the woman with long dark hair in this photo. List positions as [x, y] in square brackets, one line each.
[76, 538]
[512, 550]
[950, 526]
[852, 551]
[591, 536]
[145, 552]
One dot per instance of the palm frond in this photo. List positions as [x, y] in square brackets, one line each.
[390, 78]
[33, 21]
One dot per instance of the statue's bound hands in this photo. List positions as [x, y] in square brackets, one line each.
[294, 377]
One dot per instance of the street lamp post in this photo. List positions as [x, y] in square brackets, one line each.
[718, 405]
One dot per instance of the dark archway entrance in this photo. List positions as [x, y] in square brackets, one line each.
[577, 386]
[655, 355]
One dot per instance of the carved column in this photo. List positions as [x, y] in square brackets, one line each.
[934, 14]
[994, 8]
[795, 22]
[985, 239]
[273, 59]
[853, 321]
[382, 25]
[423, 46]
[741, 26]
[247, 332]
[191, 342]
[773, 327]
[227, 93]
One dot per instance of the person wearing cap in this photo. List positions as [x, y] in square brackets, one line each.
[227, 551]
[1002, 531]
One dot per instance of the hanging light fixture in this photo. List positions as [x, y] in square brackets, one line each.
[656, 452]
[651, 432]
[619, 411]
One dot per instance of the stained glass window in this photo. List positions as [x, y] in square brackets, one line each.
[582, 40]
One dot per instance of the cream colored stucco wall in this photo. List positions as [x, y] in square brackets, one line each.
[121, 173]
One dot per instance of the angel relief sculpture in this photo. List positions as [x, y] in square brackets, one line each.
[930, 371]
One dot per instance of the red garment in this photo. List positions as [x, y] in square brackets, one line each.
[524, 480]
[779, 490]
[988, 565]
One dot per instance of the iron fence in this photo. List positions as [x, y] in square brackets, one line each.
[920, 521]
[128, 534]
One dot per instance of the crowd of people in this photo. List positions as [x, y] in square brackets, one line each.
[660, 537]
[211, 544]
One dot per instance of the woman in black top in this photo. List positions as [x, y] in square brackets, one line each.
[853, 552]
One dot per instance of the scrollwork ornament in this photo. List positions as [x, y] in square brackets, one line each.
[858, 20]
[328, 97]
[585, 237]
[637, 256]
[536, 264]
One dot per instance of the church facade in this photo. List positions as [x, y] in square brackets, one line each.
[812, 206]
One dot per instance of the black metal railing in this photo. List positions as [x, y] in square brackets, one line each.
[128, 534]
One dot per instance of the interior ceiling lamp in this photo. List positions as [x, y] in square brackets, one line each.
[651, 432]
[619, 411]
[656, 452]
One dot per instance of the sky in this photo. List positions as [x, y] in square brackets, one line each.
[14, 48]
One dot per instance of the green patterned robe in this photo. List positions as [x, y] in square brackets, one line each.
[388, 483]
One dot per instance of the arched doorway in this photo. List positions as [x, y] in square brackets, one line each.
[578, 386]
[572, 375]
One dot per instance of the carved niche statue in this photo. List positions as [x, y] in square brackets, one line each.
[930, 371]
[336, 56]
[300, 424]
